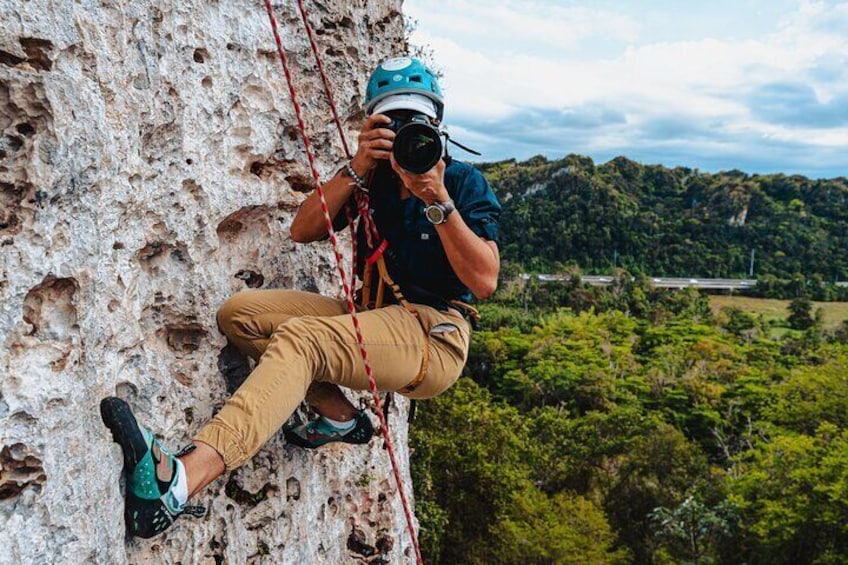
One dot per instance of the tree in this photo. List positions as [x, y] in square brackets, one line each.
[692, 530]
[801, 313]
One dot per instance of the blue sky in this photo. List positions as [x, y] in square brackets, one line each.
[756, 85]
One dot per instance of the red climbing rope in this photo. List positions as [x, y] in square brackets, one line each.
[372, 385]
[327, 89]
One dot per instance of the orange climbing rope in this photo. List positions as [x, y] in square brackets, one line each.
[347, 288]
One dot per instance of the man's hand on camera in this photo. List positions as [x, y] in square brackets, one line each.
[375, 143]
[429, 186]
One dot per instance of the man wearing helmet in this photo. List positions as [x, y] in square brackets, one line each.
[441, 229]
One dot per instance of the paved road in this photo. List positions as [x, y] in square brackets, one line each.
[661, 282]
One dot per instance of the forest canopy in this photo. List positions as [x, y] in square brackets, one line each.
[632, 425]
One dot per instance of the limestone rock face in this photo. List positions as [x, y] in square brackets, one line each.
[150, 167]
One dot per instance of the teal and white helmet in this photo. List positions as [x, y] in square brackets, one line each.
[404, 83]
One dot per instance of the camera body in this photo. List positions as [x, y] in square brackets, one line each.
[418, 145]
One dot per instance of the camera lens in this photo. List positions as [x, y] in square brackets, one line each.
[417, 147]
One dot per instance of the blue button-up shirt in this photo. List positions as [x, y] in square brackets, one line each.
[416, 259]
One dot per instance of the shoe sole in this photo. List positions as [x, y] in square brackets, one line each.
[118, 417]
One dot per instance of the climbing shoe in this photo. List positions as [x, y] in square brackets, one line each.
[151, 472]
[319, 432]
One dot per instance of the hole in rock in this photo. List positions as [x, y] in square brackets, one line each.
[357, 543]
[155, 253]
[39, 198]
[21, 418]
[58, 365]
[191, 187]
[13, 142]
[292, 489]
[206, 82]
[385, 543]
[19, 469]
[184, 338]
[50, 309]
[292, 133]
[200, 55]
[300, 183]
[244, 497]
[11, 197]
[178, 254]
[126, 391]
[37, 51]
[10, 60]
[251, 278]
[25, 129]
[242, 219]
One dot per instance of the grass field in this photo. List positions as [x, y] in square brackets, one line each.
[772, 309]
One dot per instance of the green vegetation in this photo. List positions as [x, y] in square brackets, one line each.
[631, 425]
[675, 222]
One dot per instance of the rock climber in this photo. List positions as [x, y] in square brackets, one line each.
[441, 228]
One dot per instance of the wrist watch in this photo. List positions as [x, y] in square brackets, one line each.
[438, 212]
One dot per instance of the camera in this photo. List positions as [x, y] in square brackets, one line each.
[418, 145]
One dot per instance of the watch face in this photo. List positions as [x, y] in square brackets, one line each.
[435, 214]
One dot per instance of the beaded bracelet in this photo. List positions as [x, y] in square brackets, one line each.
[360, 182]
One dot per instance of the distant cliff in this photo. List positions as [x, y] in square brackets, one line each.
[150, 167]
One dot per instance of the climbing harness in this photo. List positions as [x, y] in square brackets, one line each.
[363, 210]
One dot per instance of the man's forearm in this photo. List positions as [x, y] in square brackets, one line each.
[309, 224]
[474, 260]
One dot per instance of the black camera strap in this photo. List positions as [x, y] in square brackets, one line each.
[458, 144]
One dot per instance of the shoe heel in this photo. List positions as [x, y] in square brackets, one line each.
[118, 417]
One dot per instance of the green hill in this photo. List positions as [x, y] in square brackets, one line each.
[665, 222]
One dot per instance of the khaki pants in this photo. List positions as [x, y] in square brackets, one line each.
[299, 338]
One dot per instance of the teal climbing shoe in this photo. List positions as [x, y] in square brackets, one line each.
[150, 470]
[320, 432]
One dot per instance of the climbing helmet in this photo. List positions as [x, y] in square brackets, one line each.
[403, 75]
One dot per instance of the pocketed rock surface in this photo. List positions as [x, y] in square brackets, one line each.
[150, 166]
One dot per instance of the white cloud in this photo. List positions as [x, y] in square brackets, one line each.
[500, 60]
[516, 24]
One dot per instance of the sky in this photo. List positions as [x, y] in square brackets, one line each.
[755, 85]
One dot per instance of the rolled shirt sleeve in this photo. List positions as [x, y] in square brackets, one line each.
[477, 203]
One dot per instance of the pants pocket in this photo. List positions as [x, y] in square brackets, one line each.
[443, 328]
[451, 336]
